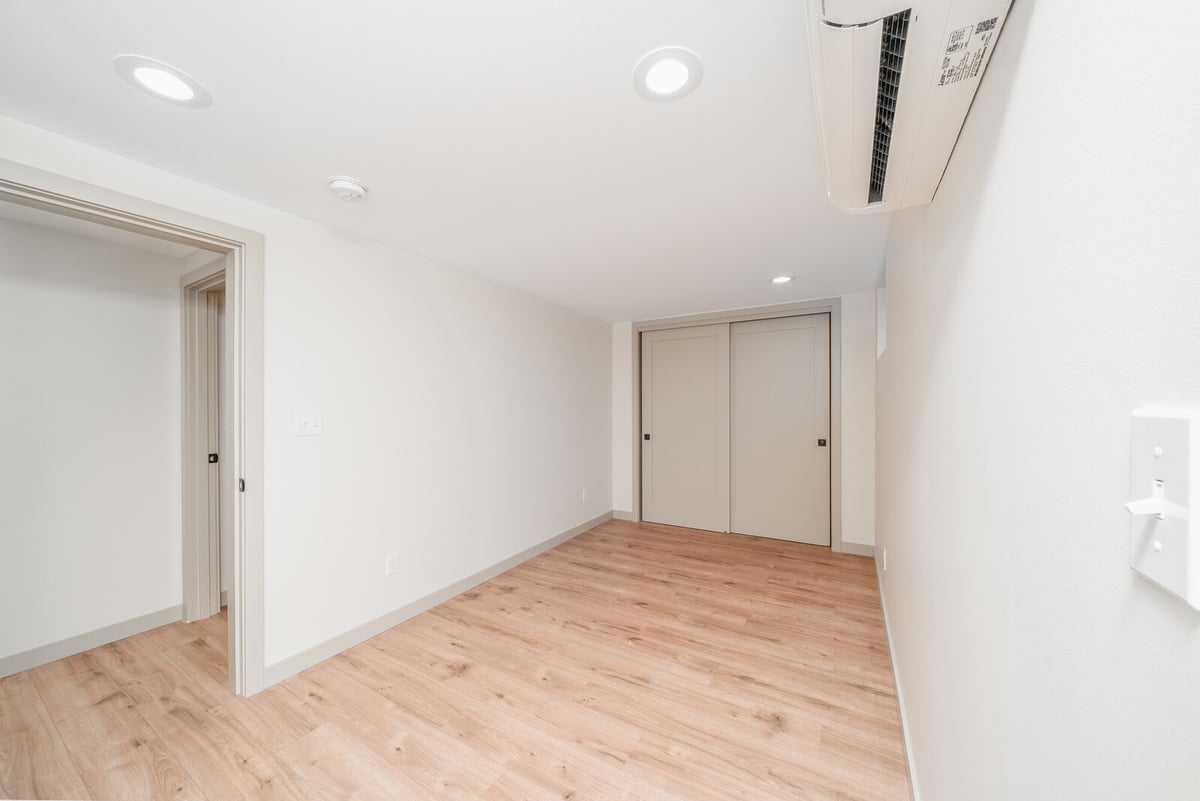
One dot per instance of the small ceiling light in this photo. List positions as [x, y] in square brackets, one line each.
[162, 80]
[164, 83]
[668, 73]
[781, 279]
[345, 188]
[666, 77]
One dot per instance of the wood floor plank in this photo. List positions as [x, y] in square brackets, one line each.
[209, 743]
[878, 762]
[179, 634]
[73, 685]
[130, 660]
[636, 661]
[34, 762]
[391, 677]
[337, 766]
[530, 696]
[203, 659]
[407, 743]
[119, 756]
[275, 716]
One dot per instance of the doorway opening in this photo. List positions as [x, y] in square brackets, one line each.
[236, 276]
[209, 485]
[207, 480]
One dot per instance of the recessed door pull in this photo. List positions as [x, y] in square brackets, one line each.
[821, 443]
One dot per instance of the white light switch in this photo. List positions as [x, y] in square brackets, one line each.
[308, 423]
[1164, 544]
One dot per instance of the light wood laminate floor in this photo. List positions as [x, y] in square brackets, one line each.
[634, 662]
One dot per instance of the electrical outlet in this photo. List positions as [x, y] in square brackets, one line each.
[391, 564]
[885, 560]
[583, 495]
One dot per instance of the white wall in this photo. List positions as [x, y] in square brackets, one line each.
[90, 474]
[1052, 288]
[622, 417]
[858, 417]
[462, 419]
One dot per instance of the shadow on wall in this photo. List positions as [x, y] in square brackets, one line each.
[950, 220]
[66, 263]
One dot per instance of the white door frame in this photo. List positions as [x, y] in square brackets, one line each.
[830, 306]
[244, 269]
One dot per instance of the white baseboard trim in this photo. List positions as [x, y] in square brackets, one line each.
[332, 647]
[630, 516]
[44, 654]
[224, 598]
[913, 787]
[858, 549]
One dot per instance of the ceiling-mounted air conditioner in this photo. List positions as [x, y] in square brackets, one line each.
[893, 84]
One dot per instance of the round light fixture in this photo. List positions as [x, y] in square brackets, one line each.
[781, 279]
[667, 77]
[344, 187]
[668, 73]
[162, 80]
[164, 83]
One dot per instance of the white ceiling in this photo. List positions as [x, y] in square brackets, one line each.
[504, 138]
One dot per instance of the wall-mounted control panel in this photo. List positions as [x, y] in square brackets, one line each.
[1164, 543]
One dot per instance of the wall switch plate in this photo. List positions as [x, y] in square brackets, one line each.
[308, 423]
[391, 564]
[1164, 543]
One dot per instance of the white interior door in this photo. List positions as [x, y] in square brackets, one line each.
[685, 427]
[779, 399]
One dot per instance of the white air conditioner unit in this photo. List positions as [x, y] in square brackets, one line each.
[893, 82]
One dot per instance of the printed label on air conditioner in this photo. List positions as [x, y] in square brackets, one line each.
[966, 49]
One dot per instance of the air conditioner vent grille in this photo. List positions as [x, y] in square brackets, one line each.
[891, 58]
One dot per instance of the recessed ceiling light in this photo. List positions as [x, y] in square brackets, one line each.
[667, 76]
[162, 80]
[668, 73]
[164, 83]
[781, 279]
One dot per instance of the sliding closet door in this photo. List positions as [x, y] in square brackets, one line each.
[685, 427]
[779, 403]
